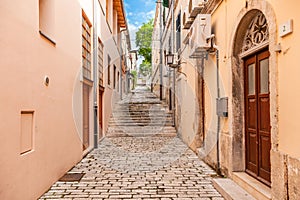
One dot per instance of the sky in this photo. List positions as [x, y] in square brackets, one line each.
[137, 13]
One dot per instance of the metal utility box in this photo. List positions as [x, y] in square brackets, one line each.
[222, 107]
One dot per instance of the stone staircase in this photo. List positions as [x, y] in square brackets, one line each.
[141, 113]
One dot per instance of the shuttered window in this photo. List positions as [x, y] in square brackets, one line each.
[86, 48]
[100, 62]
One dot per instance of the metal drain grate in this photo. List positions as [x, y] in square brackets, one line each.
[71, 177]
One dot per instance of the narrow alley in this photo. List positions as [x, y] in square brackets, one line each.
[143, 99]
[141, 158]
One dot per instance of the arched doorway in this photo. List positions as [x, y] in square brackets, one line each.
[254, 91]
[257, 101]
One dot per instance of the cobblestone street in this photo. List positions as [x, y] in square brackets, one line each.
[140, 158]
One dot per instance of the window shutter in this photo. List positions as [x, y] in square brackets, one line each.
[166, 3]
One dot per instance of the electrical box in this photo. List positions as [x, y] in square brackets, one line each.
[222, 107]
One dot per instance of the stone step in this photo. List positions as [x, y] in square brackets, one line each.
[149, 120]
[137, 115]
[254, 187]
[141, 119]
[141, 124]
[230, 190]
[139, 131]
[166, 128]
[141, 104]
[111, 135]
[141, 111]
[141, 114]
[128, 116]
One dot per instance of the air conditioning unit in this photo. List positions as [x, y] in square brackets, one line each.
[200, 38]
[186, 19]
[195, 7]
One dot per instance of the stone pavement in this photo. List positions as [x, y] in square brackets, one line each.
[141, 158]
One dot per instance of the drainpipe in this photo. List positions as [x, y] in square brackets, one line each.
[161, 51]
[174, 72]
[95, 73]
[121, 70]
[219, 118]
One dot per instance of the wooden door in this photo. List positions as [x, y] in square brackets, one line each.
[257, 116]
[86, 121]
[100, 114]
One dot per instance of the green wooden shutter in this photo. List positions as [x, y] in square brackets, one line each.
[166, 3]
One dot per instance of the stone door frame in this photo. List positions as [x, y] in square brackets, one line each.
[237, 112]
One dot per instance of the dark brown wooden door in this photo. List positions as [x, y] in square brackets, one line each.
[86, 120]
[257, 105]
[100, 114]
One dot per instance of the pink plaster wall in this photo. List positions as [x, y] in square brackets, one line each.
[26, 58]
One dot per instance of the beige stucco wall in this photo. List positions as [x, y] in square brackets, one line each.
[288, 70]
[283, 87]
[287, 78]
[284, 93]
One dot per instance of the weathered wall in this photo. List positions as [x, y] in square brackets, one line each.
[284, 164]
[230, 20]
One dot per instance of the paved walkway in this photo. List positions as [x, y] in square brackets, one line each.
[141, 159]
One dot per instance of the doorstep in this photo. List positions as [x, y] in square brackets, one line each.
[254, 187]
[230, 190]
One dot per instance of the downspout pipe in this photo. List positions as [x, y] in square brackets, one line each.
[161, 50]
[95, 72]
[219, 118]
[121, 69]
[174, 71]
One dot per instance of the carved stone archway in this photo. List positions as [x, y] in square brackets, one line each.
[250, 35]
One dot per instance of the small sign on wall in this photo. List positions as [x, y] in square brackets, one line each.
[286, 28]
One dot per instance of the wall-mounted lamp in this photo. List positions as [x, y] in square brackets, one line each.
[172, 61]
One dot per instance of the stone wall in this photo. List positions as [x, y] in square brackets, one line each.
[285, 176]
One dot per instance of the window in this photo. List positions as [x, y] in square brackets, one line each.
[100, 62]
[86, 47]
[115, 69]
[47, 19]
[178, 32]
[108, 69]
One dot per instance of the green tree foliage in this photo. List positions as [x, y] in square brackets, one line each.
[144, 42]
[134, 73]
[145, 68]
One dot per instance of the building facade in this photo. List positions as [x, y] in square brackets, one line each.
[236, 89]
[55, 66]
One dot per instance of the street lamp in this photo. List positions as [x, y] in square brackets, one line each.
[171, 62]
[170, 58]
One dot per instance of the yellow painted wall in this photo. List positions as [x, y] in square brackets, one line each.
[224, 21]
[288, 78]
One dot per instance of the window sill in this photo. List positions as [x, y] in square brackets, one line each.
[47, 38]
